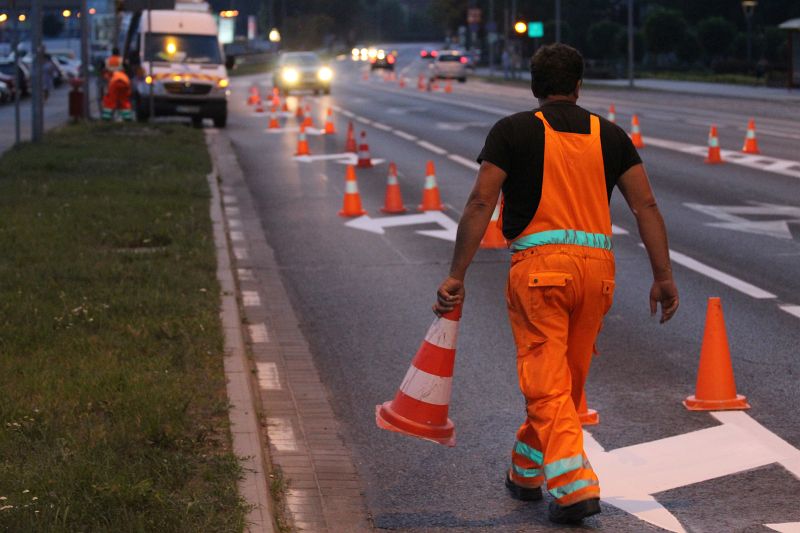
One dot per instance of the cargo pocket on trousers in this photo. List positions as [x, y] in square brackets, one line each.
[608, 295]
[546, 289]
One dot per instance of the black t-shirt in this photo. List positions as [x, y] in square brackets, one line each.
[516, 145]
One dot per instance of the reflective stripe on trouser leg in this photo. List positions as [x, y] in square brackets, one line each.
[106, 113]
[526, 462]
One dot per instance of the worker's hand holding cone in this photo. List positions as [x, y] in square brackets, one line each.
[421, 405]
[716, 386]
[493, 236]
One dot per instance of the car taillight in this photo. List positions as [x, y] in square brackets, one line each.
[434, 53]
[423, 53]
[390, 59]
[463, 60]
[371, 59]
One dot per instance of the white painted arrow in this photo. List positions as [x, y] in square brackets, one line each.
[788, 527]
[378, 225]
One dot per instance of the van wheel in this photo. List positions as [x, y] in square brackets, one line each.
[220, 121]
[197, 122]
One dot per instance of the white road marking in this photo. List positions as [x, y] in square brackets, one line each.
[237, 236]
[245, 274]
[235, 223]
[232, 211]
[240, 253]
[404, 135]
[268, 377]
[382, 126]
[432, 147]
[251, 299]
[718, 275]
[347, 113]
[616, 230]
[777, 133]
[363, 120]
[791, 309]
[788, 527]
[377, 225]
[229, 199]
[470, 164]
[258, 333]
[733, 217]
[281, 434]
[460, 126]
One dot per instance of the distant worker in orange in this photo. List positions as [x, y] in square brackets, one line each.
[557, 167]
[118, 90]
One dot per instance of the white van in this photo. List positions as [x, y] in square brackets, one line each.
[180, 62]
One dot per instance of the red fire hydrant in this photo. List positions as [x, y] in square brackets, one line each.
[76, 99]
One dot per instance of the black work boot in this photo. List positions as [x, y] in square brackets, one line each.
[573, 514]
[526, 494]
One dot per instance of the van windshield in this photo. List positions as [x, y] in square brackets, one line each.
[182, 48]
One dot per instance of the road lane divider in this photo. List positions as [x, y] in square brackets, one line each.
[431, 147]
[382, 126]
[474, 165]
[404, 135]
[793, 310]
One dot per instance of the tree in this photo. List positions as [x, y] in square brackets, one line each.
[602, 40]
[52, 25]
[716, 35]
[663, 30]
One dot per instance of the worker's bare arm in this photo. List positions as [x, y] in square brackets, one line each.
[477, 213]
[635, 187]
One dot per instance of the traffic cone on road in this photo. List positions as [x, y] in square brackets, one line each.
[273, 120]
[351, 204]
[714, 156]
[612, 114]
[259, 107]
[298, 112]
[493, 236]
[750, 142]
[285, 107]
[421, 82]
[448, 88]
[350, 144]
[308, 121]
[365, 76]
[588, 417]
[434, 85]
[302, 143]
[401, 82]
[254, 97]
[330, 128]
[393, 201]
[364, 159]
[716, 386]
[636, 134]
[431, 201]
[276, 99]
[421, 405]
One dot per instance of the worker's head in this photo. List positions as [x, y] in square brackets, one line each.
[115, 51]
[556, 70]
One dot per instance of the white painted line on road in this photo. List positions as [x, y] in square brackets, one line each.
[382, 126]
[235, 223]
[268, 377]
[718, 275]
[229, 199]
[281, 434]
[258, 333]
[470, 164]
[237, 236]
[240, 253]
[432, 147]
[251, 299]
[347, 113]
[791, 309]
[616, 230]
[404, 135]
[244, 274]
[363, 120]
[232, 211]
[336, 108]
[776, 133]
[787, 527]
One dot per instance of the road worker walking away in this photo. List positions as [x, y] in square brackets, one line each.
[557, 167]
[118, 89]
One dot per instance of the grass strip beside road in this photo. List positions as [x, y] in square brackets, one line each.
[114, 413]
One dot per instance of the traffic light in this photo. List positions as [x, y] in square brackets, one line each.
[520, 27]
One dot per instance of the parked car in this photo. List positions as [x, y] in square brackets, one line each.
[302, 70]
[70, 67]
[449, 64]
[5, 92]
[7, 68]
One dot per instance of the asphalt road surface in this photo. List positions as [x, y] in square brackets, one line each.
[364, 300]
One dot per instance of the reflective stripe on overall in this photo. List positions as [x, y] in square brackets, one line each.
[117, 97]
[560, 286]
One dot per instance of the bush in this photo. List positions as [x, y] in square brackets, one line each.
[602, 38]
[716, 35]
[663, 30]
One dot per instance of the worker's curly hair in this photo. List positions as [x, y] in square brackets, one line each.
[555, 69]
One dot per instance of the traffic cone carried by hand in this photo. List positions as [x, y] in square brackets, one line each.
[714, 156]
[422, 403]
[750, 142]
[588, 417]
[364, 159]
[636, 134]
[350, 144]
[302, 143]
[351, 205]
[431, 200]
[716, 386]
[330, 128]
[273, 120]
[612, 114]
[393, 202]
[493, 237]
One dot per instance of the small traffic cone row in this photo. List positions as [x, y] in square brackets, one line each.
[431, 201]
[273, 119]
[750, 141]
[636, 133]
[330, 128]
[714, 156]
[308, 121]
[588, 417]
[393, 201]
[493, 236]
[254, 97]
[302, 143]
[448, 88]
[364, 159]
[351, 204]
[612, 114]
[350, 144]
[421, 405]
[716, 386]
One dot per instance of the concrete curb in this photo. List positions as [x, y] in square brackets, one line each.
[245, 427]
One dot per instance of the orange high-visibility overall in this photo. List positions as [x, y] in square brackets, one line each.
[117, 97]
[560, 286]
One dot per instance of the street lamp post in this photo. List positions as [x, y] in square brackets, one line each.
[749, 6]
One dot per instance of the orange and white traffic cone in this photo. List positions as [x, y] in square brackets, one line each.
[401, 82]
[350, 144]
[434, 85]
[330, 128]
[351, 204]
[493, 236]
[308, 121]
[448, 88]
[364, 159]
[393, 201]
[365, 76]
[285, 107]
[254, 97]
[421, 405]
[302, 143]
[259, 107]
[276, 99]
[612, 114]
[750, 141]
[431, 201]
[298, 113]
[421, 82]
[588, 417]
[273, 120]
[636, 133]
[716, 386]
[714, 156]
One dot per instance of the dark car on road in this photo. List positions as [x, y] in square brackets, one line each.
[383, 59]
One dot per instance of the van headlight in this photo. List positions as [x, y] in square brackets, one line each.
[222, 83]
[290, 75]
[325, 74]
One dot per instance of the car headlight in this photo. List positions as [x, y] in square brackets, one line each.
[290, 75]
[222, 83]
[325, 74]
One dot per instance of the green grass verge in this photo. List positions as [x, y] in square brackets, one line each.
[113, 414]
